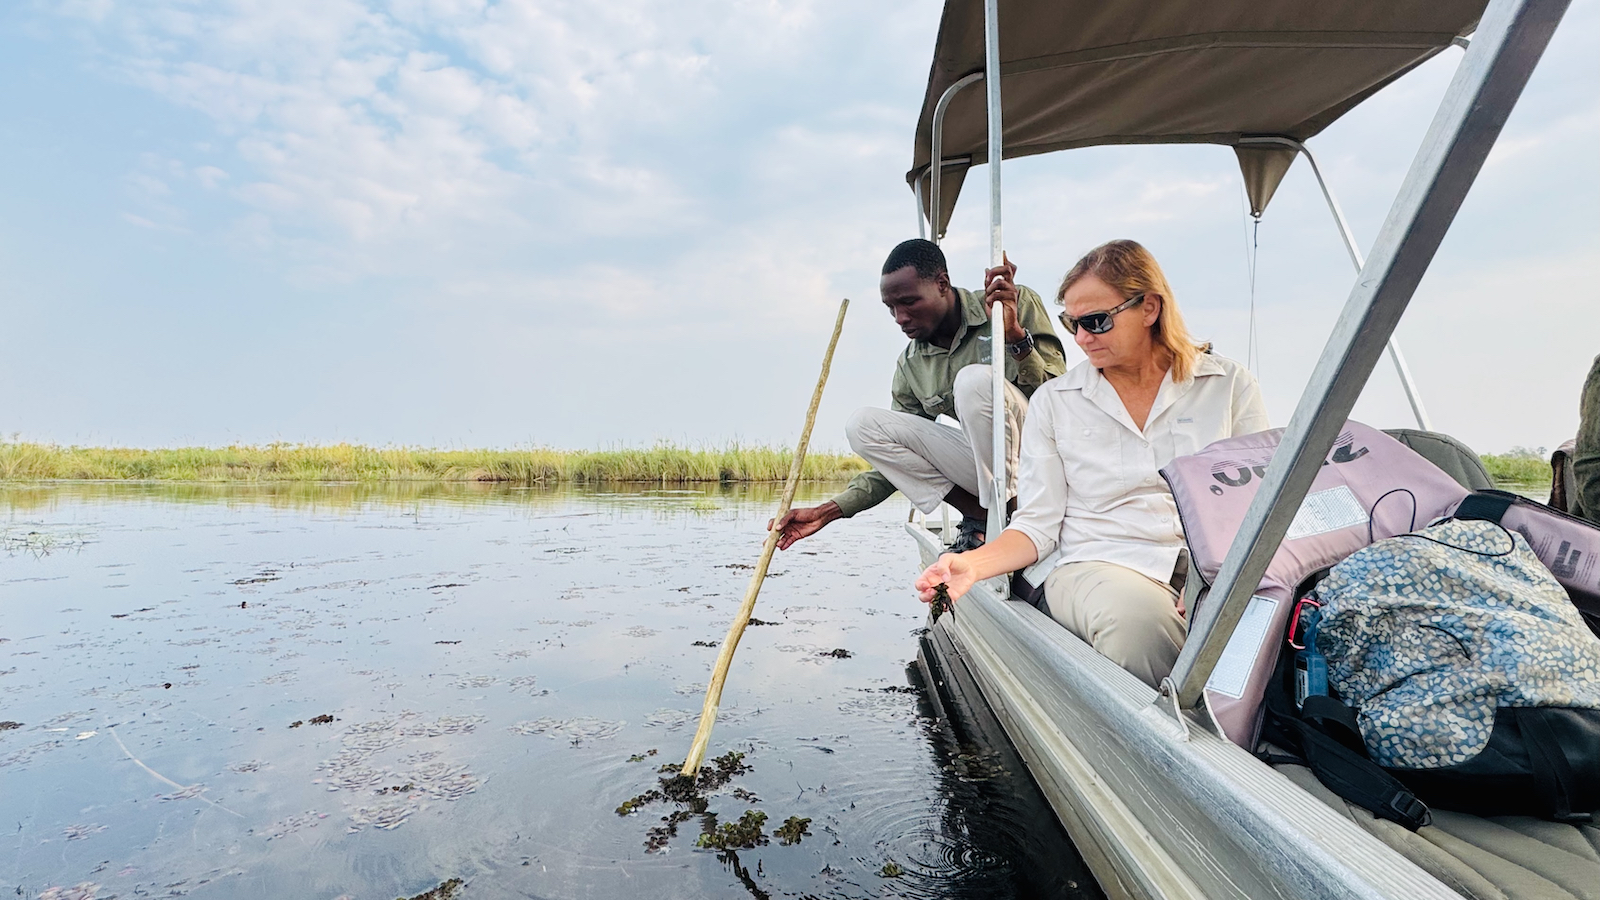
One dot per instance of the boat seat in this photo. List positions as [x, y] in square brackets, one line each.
[1455, 458]
[1496, 858]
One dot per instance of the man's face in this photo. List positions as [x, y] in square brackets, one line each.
[919, 305]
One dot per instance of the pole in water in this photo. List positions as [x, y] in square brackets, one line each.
[719, 674]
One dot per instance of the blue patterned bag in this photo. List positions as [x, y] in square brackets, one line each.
[1474, 678]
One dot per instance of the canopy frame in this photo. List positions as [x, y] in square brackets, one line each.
[1413, 395]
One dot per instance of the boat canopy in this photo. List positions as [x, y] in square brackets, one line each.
[1083, 73]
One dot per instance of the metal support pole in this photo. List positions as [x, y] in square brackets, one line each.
[1413, 396]
[922, 230]
[1510, 39]
[936, 160]
[997, 325]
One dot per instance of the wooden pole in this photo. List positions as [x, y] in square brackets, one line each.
[719, 675]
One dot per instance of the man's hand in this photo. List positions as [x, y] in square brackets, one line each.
[1000, 285]
[803, 523]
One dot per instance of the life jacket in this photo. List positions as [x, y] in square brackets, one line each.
[1370, 487]
[1567, 545]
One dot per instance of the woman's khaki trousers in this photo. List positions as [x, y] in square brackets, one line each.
[1127, 617]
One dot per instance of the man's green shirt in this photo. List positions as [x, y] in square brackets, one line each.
[925, 377]
[1586, 455]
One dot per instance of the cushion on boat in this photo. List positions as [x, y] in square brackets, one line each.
[1498, 858]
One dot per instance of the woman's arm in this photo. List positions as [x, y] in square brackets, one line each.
[960, 571]
[1249, 410]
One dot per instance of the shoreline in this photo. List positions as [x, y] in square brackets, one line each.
[34, 463]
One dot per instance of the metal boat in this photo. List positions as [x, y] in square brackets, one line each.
[1158, 803]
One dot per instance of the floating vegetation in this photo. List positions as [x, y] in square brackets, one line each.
[447, 890]
[473, 682]
[756, 621]
[661, 464]
[82, 832]
[670, 719]
[891, 869]
[324, 719]
[286, 827]
[837, 653]
[83, 890]
[582, 728]
[444, 725]
[704, 644]
[744, 834]
[641, 757]
[39, 539]
[8, 725]
[792, 830]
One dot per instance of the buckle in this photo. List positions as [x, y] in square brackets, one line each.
[1299, 620]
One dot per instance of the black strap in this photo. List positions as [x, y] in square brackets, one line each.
[1552, 773]
[1358, 779]
[1329, 737]
[1487, 505]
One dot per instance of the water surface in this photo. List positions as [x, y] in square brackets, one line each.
[310, 691]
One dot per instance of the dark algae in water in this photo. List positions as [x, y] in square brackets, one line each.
[447, 890]
[941, 600]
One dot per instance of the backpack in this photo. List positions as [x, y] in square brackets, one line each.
[1471, 676]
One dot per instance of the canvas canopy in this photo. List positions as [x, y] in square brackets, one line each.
[1081, 73]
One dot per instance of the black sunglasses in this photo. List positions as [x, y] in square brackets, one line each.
[1099, 322]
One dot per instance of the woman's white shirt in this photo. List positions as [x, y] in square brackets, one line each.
[1089, 480]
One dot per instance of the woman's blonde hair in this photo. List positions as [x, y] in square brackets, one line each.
[1130, 269]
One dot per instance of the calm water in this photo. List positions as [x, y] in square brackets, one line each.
[502, 669]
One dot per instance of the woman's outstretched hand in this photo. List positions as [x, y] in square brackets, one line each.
[952, 571]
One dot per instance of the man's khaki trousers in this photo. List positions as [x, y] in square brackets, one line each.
[925, 459]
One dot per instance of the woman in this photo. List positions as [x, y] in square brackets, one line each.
[1093, 445]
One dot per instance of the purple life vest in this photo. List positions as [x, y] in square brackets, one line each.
[1370, 487]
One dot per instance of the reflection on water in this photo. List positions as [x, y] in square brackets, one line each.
[364, 691]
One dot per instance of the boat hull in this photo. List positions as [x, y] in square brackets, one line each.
[1160, 807]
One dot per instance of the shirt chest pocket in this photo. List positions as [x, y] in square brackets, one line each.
[1188, 436]
[938, 404]
[1092, 459]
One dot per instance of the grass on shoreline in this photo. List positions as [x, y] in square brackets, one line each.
[661, 464]
[1518, 467]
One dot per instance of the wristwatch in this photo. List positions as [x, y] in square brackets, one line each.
[1023, 347]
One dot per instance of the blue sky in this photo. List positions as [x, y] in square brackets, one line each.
[463, 223]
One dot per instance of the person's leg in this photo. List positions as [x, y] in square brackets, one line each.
[974, 397]
[1128, 618]
[926, 461]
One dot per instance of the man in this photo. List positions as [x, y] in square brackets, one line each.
[944, 370]
[1585, 501]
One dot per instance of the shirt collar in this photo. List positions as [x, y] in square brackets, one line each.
[973, 316]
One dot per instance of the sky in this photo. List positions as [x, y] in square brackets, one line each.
[462, 223]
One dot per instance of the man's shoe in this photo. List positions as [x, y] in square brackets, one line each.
[969, 535]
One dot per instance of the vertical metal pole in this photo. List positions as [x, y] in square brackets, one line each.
[935, 207]
[922, 231]
[997, 327]
[1511, 37]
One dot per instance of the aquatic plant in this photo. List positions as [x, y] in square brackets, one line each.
[941, 600]
[741, 835]
[447, 890]
[792, 830]
[660, 464]
[891, 869]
